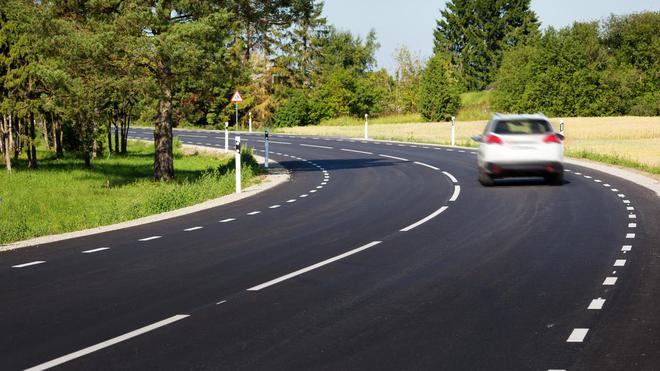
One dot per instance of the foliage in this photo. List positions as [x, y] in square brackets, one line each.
[476, 32]
[586, 70]
[439, 97]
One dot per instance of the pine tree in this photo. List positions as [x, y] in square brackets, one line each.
[476, 32]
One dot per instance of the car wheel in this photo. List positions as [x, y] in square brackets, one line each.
[555, 179]
[485, 179]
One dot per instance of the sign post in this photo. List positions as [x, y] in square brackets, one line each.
[238, 164]
[453, 131]
[236, 99]
[266, 144]
[226, 137]
[366, 126]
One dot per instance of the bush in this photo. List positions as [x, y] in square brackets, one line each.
[439, 97]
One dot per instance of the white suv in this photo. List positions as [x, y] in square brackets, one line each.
[520, 145]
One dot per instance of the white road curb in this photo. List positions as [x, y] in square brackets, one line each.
[277, 175]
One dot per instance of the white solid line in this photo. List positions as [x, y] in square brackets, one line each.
[427, 165]
[227, 220]
[356, 151]
[107, 343]
[312, 267]
[451, 177]
[578, 335]
[596, 304]
[28, 264]
[192, 229]
[314, 146]
[626, 248]
[95, 250]
[609, 281]
[620, 263]
[457, 191]
[254, 213]
[275, 206]
[149, 238]
[632, 225]
[394, 158]
[417, 224]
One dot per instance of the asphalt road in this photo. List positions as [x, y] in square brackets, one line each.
[374, 256]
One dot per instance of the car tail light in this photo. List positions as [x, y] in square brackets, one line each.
[551, 138]
[493, 139]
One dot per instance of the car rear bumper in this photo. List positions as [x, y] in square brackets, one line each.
[539, 168]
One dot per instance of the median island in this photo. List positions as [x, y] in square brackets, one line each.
[63, 195]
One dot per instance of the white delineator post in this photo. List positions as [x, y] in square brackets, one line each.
[250, 121]
[366, 126]
[266, 145]
[238, 164]
[226, 137]
[453, 131]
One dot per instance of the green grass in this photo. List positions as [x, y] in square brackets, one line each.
[614, 160]
[475, 106]
[62, 196]
[353, 121]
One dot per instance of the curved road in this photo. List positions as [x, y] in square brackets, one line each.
[374, 256]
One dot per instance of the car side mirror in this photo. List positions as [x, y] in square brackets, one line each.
[561, 136]
[478, 138]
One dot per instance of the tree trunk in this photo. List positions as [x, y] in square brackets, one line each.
[116, 138]
[125, 126]
[163, 158]
[17, 142]
[109, 137]
[45, 133]
[6, 141]
[32, 148]
[59, 151]
[53, 131]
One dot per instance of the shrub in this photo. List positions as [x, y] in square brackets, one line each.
[439, 97]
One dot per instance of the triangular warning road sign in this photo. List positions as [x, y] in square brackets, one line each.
[237, 97]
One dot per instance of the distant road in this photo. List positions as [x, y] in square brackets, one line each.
[375, 255]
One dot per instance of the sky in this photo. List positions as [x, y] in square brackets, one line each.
[411, 22]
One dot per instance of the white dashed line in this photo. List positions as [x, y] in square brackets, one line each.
[630, 236]
[632, 225]
[457, 191]
[451, 177]
[313, 191]
[578, 335]
[303, 196]
[417, 224]
[632, 216]
[275, 206]
[609, 281]
[626, 248]
[221, 302]
[227, 220]
[394, 158]
[192, 229]
[606, 185]
[107, 343]
[621, 195]
[620, 263]
[312, 267]
[596, 304]
[149, 238]
[319, 187]
[28, 264]
[254, 213]
[315, 146]
[427, 165]
[356, 151]
[598, 181]
[630, 208]
[626, 201]
[291, 201]
[95, 250]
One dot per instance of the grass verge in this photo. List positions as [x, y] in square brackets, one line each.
[63, 196]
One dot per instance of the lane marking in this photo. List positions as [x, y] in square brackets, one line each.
[632, 225]
[319, 187]
[107, 343]
[630, 208]
[315, 146]
[312, 191]
[95, 250]
[275, 206]
[626, 248]
[192, 136]
[427, 165]
[28, 264]
[192, 229]
[451, 177]
[356, 151]
[614, 190]
[598, 181]
[626, 201]
[578, 335]
[609, 281]
[457, 191]
[596, 304]
[630, 235]
[394, 157]
[606, 185]
[620, 263]
[221, 302]
[417, 224]
[621, 195]
[303, 196]
[291, 200]
[632, 216]
[312, 267]
[227, 220]
[149, 238]
[254, 213]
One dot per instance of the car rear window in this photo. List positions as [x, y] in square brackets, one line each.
[522, 127]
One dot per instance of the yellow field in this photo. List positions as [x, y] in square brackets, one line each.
[632, 138]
